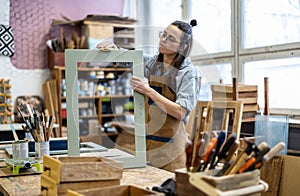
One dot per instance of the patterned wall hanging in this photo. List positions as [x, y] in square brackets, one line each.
[6, 41]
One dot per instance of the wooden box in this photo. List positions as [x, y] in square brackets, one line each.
[55, 58]
[74, 169]
[246, 93]
[123, 190]
[203, 183]
[77, 173]
[51, 187]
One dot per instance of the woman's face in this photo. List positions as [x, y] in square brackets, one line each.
[170, 40]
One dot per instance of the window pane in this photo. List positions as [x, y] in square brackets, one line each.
[270, 22]
[283, 77]
[165, 12]
[212, 74]
[213, 31]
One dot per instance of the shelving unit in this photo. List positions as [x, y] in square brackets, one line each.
[122, 32]
[101, 99]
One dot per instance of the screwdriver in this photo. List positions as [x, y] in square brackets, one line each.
[223, 153]
[220, 141]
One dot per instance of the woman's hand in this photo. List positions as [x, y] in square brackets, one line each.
[107, 46]
[140, 85]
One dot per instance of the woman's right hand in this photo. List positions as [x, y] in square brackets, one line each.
[140, 85]
[107, 46]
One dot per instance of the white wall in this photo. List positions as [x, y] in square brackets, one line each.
[24, 82]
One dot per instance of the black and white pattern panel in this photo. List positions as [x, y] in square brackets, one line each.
[6, 40]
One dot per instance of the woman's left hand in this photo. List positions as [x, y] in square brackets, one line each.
[140, 85]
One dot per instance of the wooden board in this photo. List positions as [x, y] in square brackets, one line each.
[229, 88]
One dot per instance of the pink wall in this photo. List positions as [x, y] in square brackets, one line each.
[31, 22]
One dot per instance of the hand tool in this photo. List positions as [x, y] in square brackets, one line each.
[199, 153]
[188, 152]
[206, 157]
[226, 148]
[246, 165]
[220, 141]
[232, 151]
[241, 159]
[276, 149]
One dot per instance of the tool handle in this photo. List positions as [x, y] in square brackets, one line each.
[246, 165]
[188, 152]
[196, 162]
[227, 146]
[276, 149]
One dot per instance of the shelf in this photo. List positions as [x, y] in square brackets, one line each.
[88, 117]
[113, 115]
[99, 97]
[88, 69]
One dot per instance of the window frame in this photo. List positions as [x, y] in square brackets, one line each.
[238, 56]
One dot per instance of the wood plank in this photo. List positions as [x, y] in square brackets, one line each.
[249, 108]
[229, 88]
[230, 96]
[247, 100]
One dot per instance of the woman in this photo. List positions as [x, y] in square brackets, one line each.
[170, 88]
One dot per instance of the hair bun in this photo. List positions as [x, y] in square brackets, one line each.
[193, 23]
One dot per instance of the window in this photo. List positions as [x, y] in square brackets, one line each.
[283, 77]
[258, 38]
[165, 12]
[213, 32]
[270, 22]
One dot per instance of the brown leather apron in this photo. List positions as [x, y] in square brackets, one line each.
[166, 137]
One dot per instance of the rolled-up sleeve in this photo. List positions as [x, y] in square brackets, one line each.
[186, 86]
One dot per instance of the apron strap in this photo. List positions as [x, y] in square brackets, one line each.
[159, 139]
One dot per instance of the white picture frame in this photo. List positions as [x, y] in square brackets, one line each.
[75, 56]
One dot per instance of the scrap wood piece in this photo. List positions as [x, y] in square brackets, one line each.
[271, 173]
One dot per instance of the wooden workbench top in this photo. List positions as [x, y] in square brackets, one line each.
[30, 184]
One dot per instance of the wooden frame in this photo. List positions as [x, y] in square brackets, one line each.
[229, 106]
[72, 58]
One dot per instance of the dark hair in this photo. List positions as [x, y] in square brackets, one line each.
[186, 41]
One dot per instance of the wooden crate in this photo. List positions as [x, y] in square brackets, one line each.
[203, 183]
[77, 173]
[246, 93]
[74, 169]
[51, 187]
[123, 190]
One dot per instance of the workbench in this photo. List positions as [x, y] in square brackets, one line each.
[30, 184]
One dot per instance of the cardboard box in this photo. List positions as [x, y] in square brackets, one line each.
[290, 176]
[123, 190]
